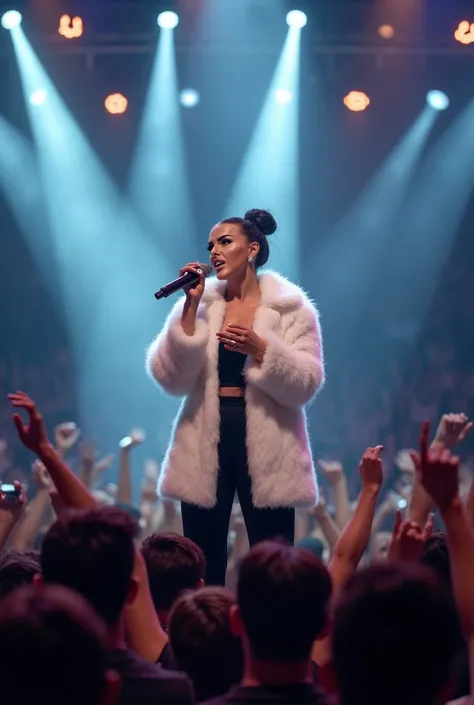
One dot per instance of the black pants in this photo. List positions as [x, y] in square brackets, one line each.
[209, 527]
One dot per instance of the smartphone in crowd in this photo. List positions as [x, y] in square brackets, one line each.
[10, 492]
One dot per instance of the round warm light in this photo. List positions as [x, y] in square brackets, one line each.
[357, 101]
[116, 104]
[464, 33]
[386, 31]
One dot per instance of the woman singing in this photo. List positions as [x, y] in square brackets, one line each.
[245, 351]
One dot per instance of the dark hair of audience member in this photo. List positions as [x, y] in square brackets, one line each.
[202, 641]
[283, 596]
[92, 551]
[395, 635]
[174, 563]
[436, 555]
[17, 569]
[52, 648]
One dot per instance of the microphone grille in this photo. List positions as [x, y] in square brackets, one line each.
[206, 269]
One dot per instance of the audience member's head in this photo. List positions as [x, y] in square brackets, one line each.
[203, 644]
[92, 551]
[52, 649]
[174, 564]
[436, 556]
[313, 544]
[395, 635]
[17, 569]
[283, 596]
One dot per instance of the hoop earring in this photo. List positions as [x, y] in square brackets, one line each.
[250, 260]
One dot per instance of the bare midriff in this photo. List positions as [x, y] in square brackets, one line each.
[231, 392]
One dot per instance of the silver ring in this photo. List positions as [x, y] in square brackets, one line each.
[234, 343]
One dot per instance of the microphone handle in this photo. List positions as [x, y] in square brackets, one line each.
[188, 279]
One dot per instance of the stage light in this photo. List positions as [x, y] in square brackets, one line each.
[189, 98]
[71, 28]
[38, 97]
[464, 34]
[283, 96]
[356, 101]
[168, 20]
[437, 100]
[386, 31]
[116, 104]
[296, 18]
[11, 19]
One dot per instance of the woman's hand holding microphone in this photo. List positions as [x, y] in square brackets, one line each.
[194, 293]
[234, 337]
[193, 297]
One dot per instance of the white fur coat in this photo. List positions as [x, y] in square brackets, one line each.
[278, 449]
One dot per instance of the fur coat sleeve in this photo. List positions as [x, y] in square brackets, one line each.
[174, 359]
[292, 370]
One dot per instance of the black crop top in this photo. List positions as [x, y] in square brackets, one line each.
[231, 368]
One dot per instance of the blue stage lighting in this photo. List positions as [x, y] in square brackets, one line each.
[296, 18]
[189, 98]
[282, 95]
[11, 19]
[168, 20]
[38, 97]
[437, 100]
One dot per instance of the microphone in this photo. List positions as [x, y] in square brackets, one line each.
[187, 279]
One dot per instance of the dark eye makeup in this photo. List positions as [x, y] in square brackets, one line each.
[222, 241]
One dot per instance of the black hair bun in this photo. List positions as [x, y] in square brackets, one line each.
[263, 220]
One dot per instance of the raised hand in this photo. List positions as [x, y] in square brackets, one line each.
[41, 476]
[452, 429]
[136, 437]
[104, 463]
[332, 470]
[243, 340]
[370, 468]
[321, 508]
[66, 436]
[437, 470]
[88, 453]
[408, 539]
[34, 435]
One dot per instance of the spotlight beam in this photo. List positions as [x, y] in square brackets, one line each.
[269, 173]
[362, 241]
[107, 267]
[158, 183]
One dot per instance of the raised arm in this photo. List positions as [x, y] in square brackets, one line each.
[452, 430]
[438, 472]
[37, 508]
[176, 357]
[10, 512]
[355, 537]
[334, 473]
[33, 435]
[124, 488]
[143, 625]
